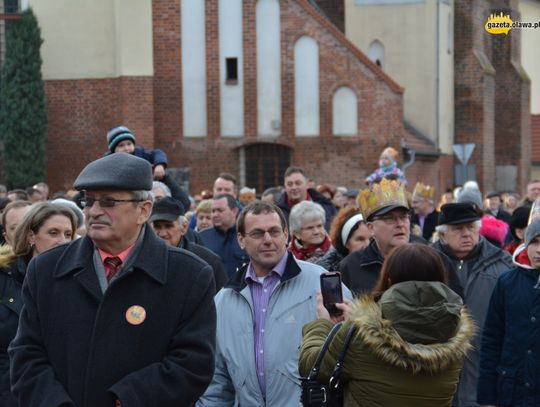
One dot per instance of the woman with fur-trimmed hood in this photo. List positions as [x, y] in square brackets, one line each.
[410, 341]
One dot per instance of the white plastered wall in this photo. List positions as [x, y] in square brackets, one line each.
[95, 39]
[408, 32]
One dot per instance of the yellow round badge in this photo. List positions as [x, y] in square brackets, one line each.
[135, 315]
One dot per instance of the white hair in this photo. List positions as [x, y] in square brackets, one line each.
[158, 184]
[305, 211]
[471, 185]
[444, 228]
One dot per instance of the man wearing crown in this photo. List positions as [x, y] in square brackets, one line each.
[423, 205]
[387, 215]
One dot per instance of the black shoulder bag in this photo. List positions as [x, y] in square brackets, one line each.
[315, 394]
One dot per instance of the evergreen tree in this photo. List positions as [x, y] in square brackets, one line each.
[23, 118]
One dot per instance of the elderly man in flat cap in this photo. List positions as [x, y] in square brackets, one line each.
[116, 318]
[478, 264]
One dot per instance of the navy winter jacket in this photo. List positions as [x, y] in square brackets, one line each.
[510, 355]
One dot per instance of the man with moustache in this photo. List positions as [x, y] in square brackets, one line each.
[117, 317]
[478, 264]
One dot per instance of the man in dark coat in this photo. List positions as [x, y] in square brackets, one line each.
[117, 317]
[478, 264]
[222, 237]
[296, 190]
[169, 224]
[387, 214]
[495, 207]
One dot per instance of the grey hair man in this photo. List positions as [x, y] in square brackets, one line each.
[129, 341]
[477, 265]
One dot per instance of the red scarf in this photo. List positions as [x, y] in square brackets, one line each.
[291, 203]
[311, 253]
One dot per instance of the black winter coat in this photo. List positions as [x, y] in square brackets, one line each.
[11, 278]
[331, 259]
[75, 346]
[329, 208]
[220, 276]
[360, 269]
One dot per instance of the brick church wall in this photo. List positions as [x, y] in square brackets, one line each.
[81, 112]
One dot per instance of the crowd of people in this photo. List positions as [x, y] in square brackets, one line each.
[126, 291]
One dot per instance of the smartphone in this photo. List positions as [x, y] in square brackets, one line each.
[331, 291]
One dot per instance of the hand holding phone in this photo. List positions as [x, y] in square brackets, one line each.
[331, 292]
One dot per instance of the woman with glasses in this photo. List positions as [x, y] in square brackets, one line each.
[410, 340]
[309, 238]
[44, 226]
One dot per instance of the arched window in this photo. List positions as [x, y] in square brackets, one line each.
[376, 52]
[344, 112]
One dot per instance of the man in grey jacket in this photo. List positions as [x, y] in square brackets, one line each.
[261, 312]
[478, 264]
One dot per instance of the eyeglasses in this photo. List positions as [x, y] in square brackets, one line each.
[313, 227]
[105, 202]
[258, 234]
[393, 219]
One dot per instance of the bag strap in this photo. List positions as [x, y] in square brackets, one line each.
[335, 381]
[314, 372]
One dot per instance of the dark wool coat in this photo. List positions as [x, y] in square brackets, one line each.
[475, 276]
[12, 271]
[75, 346]
[360, 269]
[220, 276]
[329, 208]
[510, 357]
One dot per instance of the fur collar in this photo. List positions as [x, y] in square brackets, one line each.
[6, 256]
[384, 341]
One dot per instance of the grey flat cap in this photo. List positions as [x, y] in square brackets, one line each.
[118, 171]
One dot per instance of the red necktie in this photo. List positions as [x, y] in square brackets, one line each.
[112, 265]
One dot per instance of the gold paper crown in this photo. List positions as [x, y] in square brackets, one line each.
[424, 191]
[381, 195]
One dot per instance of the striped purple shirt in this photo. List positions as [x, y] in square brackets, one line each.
[261, 291]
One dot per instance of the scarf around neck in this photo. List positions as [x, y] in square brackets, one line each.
[310, 253]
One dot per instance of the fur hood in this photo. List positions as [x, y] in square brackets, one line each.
[382, 338]
[6, 256]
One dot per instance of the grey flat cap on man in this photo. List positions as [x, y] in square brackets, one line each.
[119, 171]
